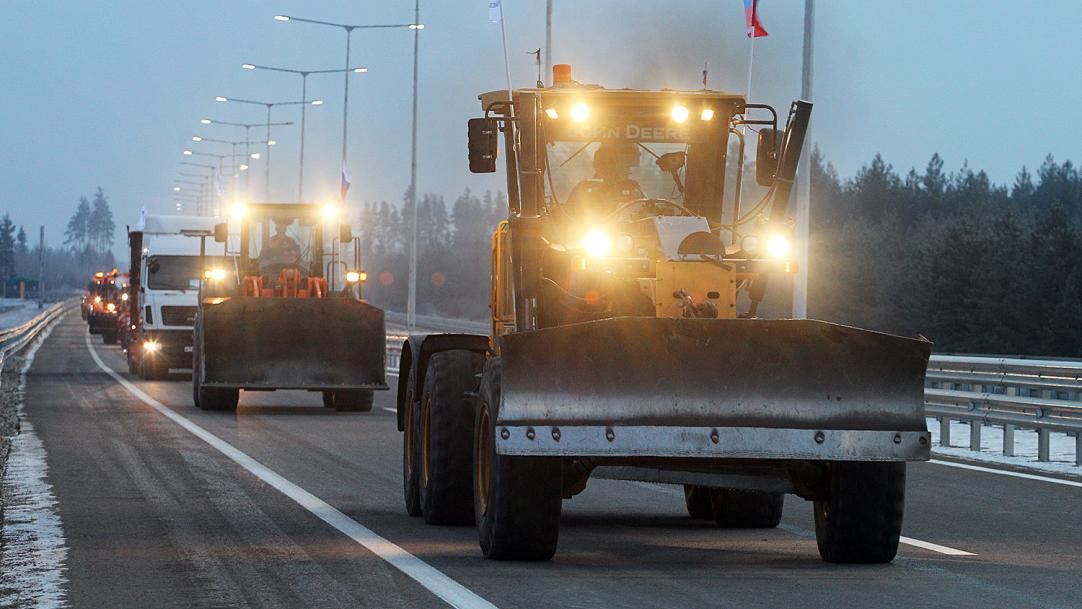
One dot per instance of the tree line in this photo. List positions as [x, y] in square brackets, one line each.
[974, 266]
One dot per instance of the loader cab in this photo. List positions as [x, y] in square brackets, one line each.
[282, 249]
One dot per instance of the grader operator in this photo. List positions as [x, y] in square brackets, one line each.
[626, 342]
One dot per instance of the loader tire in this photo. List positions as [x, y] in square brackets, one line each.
[353, 400]
[151, 368]
[328, 399]
[862, 520]
[517, 500]
[741, 509]
[697, 500]
[411, 451]
[447, 412]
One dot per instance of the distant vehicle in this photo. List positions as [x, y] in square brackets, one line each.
[102, 303]
[276, 320]
[165, 273]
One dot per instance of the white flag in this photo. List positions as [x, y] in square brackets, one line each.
[495, 11]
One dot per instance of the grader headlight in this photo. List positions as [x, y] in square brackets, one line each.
[777, 246]
[597, 243]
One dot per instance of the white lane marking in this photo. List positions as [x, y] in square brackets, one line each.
[1005, 472]
[935, 547]
[452, 592]
[34, 549]
[909, 541]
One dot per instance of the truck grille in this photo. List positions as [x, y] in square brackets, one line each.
[178, 316]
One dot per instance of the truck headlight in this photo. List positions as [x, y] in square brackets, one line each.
[124, 296]
[597, 243]
[110, 307]
[356, 276]
[777, 246]
[215, 274]
[151, 346]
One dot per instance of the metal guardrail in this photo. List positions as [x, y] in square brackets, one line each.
[1013, 393]
[1000, 391]
[14, 339]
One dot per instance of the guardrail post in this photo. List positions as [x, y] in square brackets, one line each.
[1008, 440]
[1078, 448]
[944, 431]
[975, 434]
[1042, 445]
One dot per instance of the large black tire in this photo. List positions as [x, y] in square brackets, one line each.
[697, 500]
[328, 399]
[411, 451]
[133, 364]
[353, 400]
[108, 338]
[516, 499]
[151, 367]
[740, 509]
[218, 398]
[447, 437]
[862, 520]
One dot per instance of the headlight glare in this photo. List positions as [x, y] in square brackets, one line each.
[777, 246]
[597, 243]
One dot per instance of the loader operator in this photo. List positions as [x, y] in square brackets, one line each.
[279, 252]
[611, 181]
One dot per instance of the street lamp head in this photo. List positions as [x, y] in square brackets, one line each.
[243, 167]
[221, 99]
[272, 142]
[255, 155]
[281, 17]
[205, 121]
[196, 138]
[360, 70]
[176, 189]
[417, 26]
[317, 102]
[248, 66]
[187, 153]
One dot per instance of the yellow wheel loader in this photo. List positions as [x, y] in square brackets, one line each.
[625, 341]
[275, 318]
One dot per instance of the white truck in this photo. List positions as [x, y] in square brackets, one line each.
[163, 298]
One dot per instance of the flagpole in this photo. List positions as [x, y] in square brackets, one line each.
[506, 61]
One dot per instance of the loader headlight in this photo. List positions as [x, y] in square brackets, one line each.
[356, 276]
[777, 246]
[151, 346]
[580, 112]
[97, 299]
[597, 243]
[214, 274]
[110, 307]
[680, 113]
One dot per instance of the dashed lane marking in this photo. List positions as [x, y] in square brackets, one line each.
[452, 592]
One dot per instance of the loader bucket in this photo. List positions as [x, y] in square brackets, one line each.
[293, 343]
[736, 379]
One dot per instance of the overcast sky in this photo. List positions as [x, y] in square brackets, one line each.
[109, 93]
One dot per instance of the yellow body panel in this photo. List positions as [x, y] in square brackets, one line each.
[699, 280]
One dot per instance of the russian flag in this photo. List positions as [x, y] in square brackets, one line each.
[751, 19]
[344, 190]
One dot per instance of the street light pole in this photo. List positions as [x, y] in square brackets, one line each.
[803, 215]
[247, 138]
[411, 302]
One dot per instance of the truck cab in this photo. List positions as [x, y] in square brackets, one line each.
[166, 272]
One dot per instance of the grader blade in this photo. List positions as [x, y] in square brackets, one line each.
[294, 343]
[713, 388]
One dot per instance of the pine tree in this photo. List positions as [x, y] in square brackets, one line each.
[20, 242]
[7, 247]
[100, 225]
[77, 233]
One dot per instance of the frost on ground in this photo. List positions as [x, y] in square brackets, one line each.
[15, 311]
[1061, 448]
[32, 548]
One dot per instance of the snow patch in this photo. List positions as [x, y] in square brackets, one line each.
[1061, 448]
[32, 545]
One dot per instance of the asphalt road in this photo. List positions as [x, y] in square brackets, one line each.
[154, 515]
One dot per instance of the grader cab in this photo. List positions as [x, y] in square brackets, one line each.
[273, 318]
[626, 341]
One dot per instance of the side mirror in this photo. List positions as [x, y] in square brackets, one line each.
[221, 232]
[345, 233]
[766, 157]
[484, 137]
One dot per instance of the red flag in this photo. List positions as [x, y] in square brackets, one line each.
[751, 19]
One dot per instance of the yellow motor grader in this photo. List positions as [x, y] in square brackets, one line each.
[626, 342]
